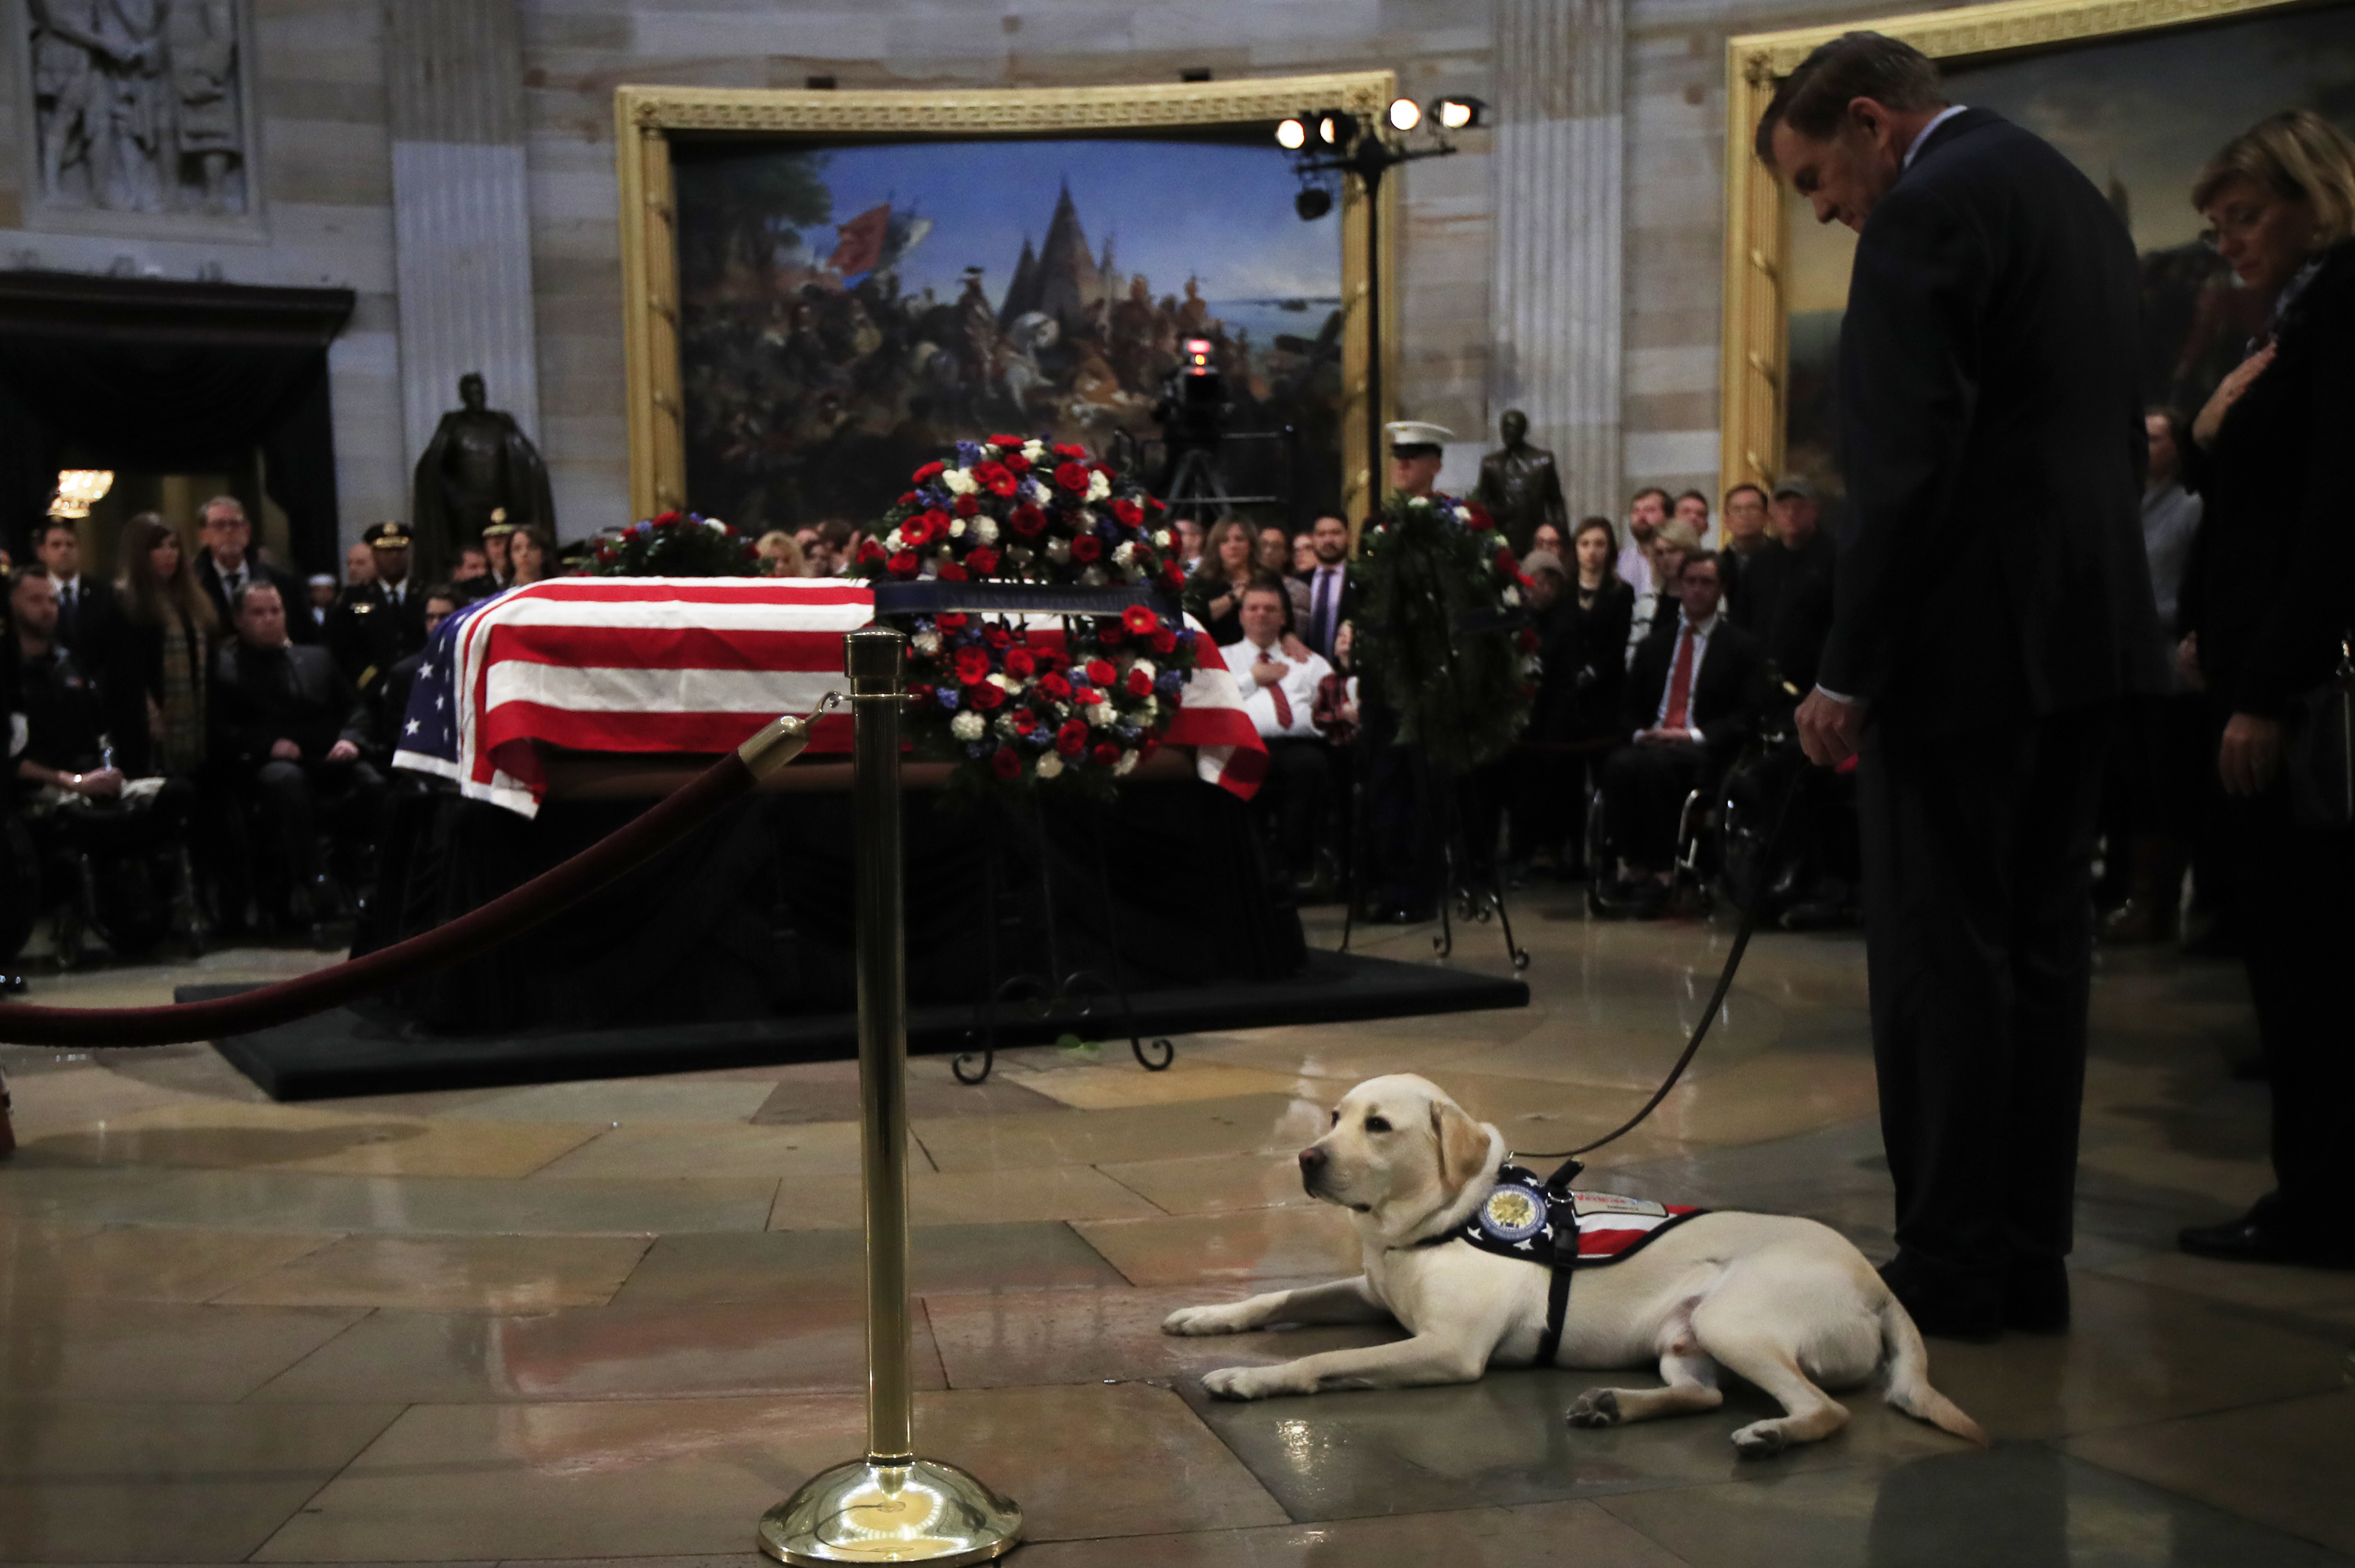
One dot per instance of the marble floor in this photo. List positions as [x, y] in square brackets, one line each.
[617, 1320]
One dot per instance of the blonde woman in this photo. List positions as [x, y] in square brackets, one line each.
[779, 556]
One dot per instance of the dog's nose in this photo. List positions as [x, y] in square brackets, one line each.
[1312, 1160]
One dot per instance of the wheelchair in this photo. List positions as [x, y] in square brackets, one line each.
[1723, 828]
[108, 869]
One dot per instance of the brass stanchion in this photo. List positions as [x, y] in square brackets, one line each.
[889, 1507]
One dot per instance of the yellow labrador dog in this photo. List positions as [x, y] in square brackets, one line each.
[1787, 1303]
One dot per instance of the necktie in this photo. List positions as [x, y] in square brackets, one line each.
[1680, 685]
[1275, 690]
[1320, 621]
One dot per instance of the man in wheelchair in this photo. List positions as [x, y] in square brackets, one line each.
[110, 849]
[1693, 696]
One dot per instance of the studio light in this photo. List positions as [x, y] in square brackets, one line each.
[1458, 113]
[1336, 128]
[1405, 115]
[1292, 135]
[77, 488]
[1313, 202]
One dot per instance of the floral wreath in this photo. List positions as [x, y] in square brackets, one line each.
[1019, 704]
[675, 544]
[1441, 635]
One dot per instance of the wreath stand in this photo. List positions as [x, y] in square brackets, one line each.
[1069, 993]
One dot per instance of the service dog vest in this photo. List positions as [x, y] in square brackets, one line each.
[1528, 1219]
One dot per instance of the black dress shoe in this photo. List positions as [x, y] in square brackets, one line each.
[1957, 1307]
[2267, 1233]
[2036, 1297]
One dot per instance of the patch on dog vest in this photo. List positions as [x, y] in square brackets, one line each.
[1520, 1219]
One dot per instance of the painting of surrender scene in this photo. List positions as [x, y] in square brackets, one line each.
[848, 311]
[2140, 115]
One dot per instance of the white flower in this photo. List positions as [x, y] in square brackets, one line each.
[928, 644]
[1035, 450]
[1148, 709]
[966, 726]
[1000, 682]
[1101, 715]
[1018, 554]
[1005, 725]
[1049, 765]
[715, 524]
[1099, 485]
[1126, 554]
[1040, 494]
[1146, 665]
[956, 527]
[892, 541]
[1125, 765]
[1094, 577]
[1512, 596]
[1161, 540]
[986, 530]
[960, 482]
[1059, 550]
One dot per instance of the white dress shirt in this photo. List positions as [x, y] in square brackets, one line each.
[1300, 682]
[1701, 636]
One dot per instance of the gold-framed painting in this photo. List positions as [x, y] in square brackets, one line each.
[2138, 93]
[823, 288]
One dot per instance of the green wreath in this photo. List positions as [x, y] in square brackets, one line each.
[1440, 633]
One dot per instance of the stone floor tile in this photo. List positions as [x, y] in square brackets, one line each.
[1541, 1535]
[153, 1351]
[449, 1274]
[693, 1476]
[598, 1102]
[139, 1482]
[1502, 1440]
[1011, 1338]
[2022, 1506]
[788, 1345]
[1340, 1057]
[1003, 1197]
[650, 1151]
[140, 1262]
[1119, 1082]
[228, 1135]
[2324, 1294]
[2287, 1463]
[1229, 1248]
[828, 1091]
[1214, 1183]
[830, 1265]
[1244, 1125]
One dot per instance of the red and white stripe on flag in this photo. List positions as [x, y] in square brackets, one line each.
[696, 664]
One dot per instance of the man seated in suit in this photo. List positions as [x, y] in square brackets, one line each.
[1691, 699]
[1280, 696]
[286, 718]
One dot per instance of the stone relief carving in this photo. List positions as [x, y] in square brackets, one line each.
[138, 105]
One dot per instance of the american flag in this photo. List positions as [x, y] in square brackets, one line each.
[681, 665]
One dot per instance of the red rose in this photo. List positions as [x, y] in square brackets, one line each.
[1005, 763]
[916, 531]
[1172, 574]
[1144, 752]
[1072, 477]
[1070, 451]
[666, 520]
[1012, 443]
[996, 636]
[1087, 547]
[987, 696]
[994, 477]
[981, 562]
[905, 565]
[1156, 504]
[1110, 631]
[1071, 739]
[1506, 566]
[909, 499]
[1086, 696]
[1101, 672]
[971, 666]
[870, 550]
[1140, 685]
[1018, 463]
[1105, 754]
[1165, 640]
[1021, 663]
[966, 506]
[950, 572]
[1140, 619]
[930, 470]
[1024, 721]
[1478, 519]
[918, 693]
[1027, 521]
[949, 621]
[1055, 686]
[1130, 514]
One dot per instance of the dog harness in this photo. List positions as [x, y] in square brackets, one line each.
[1547, 1223]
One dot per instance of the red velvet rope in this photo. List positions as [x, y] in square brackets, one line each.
[472, 933]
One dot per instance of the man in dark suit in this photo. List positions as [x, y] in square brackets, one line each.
[379, 622]
[1692, 697]
[86, 608]
[1982, 630]
[227, 563]
[1331, 599]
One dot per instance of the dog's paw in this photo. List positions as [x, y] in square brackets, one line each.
[1240, 1382]
[1760, 1440]
[1202, 1320]
[1596, 1407]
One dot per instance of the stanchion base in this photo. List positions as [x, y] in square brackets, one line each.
[866, 1511]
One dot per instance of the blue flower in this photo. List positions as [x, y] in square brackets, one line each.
[978, 748]
[1169, 682]
[948, 698]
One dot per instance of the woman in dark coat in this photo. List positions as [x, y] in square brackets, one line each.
[155, 683]
[2268, 598]
[1582, 647]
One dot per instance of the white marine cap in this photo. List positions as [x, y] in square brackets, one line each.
[1416, 433]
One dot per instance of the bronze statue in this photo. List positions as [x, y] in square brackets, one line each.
[1519, 485]
[477, 463]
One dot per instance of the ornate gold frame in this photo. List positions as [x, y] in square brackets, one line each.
[1756, 343]
[645, 118]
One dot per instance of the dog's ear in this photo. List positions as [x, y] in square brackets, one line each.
[1463, 1145]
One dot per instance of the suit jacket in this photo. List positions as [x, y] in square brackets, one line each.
[1786, 604]
[88, 626]
[368, 633]
[2270, 587]
[1344, 604]
[1726, 689]
[295, 692]
[1992, 441]
[300, 625]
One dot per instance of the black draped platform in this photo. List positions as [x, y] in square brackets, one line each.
[735, 948]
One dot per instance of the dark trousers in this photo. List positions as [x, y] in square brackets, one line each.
[2290, 888]
[295, 795]
[1978, 942]
[1295, 801]
[1644, 787]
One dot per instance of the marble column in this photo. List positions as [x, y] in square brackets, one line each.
[461, 209]
[1558, 171]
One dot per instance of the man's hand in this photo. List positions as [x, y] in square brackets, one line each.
[1268, 674]
[1829, 729]
[106, 784]
[342, 751]
[2228, 392]
[285, 751]
[2187, 663]
[2251, 754]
